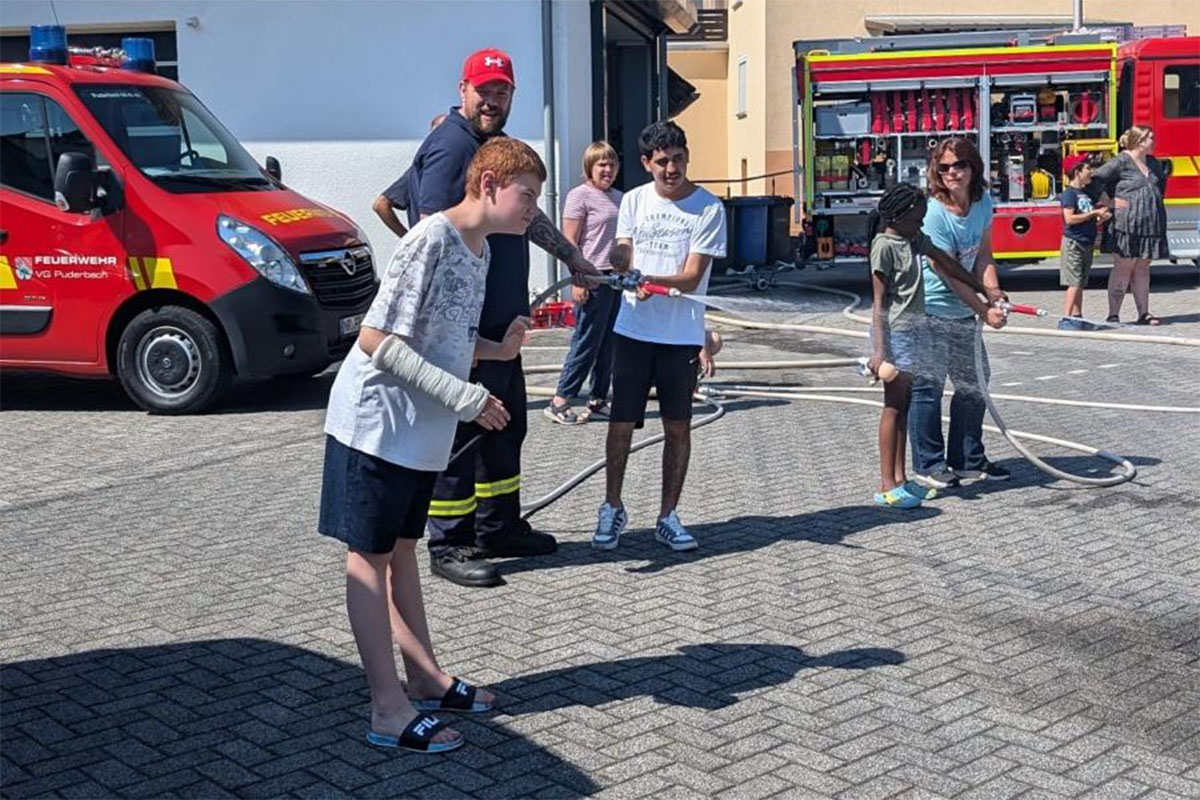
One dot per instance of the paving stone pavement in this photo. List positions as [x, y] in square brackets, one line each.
[173, 626]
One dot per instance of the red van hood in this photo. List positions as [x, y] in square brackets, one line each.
[296, 222]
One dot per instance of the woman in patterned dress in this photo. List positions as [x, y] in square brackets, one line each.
[1137, 234]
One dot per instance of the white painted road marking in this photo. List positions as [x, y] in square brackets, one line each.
[1011, 383]
[1076, 371]
[1045, 377]
[1109, 366]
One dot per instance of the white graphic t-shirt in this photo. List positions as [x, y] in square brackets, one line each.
[664, 232]
[431, 295]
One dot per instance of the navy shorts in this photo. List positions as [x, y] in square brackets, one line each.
[671, 369]
[369, 503]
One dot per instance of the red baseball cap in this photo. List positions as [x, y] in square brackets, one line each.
[1069, 163]
[486, 65]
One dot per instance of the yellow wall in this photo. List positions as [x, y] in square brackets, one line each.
[748, 135]
[704, 120]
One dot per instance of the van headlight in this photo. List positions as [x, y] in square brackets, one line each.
[261, 252]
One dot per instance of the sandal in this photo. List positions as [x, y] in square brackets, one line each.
[562, 414]
[459, 697]
[594, 408]
[1148, 319]
[920, 492]
[417, 737]
[897, 498]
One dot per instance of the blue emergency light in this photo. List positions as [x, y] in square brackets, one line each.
[139, 54]
[48, 44]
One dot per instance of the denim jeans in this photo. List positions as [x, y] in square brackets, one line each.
[591, 345]
[952, 353]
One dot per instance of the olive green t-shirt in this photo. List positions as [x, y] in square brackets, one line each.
[894, 258]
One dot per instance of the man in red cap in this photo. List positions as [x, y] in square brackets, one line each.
[476, 509]
[1080, 215]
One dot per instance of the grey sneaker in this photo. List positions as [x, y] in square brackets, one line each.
[670, 531]
[610, 524]
[989, 472]
[942, 479]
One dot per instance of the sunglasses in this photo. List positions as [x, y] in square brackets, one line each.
[958, 166]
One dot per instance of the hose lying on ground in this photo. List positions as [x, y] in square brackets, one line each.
[830, 394]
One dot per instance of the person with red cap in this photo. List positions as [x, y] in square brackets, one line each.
[475, 513]
[1080, 215]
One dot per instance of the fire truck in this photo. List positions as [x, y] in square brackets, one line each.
[139, 239]
[867, 112]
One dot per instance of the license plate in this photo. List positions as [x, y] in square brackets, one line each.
[350, 325]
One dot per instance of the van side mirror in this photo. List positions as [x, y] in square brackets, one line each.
[75, 183]
[273, 168]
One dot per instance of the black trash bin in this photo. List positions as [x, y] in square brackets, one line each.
[759, 231]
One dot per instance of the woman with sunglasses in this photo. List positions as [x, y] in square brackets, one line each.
[1137, 235]
[959, 222]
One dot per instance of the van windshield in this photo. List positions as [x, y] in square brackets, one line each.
[173, 139]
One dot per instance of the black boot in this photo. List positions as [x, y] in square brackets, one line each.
[517, 540]
[465, 566]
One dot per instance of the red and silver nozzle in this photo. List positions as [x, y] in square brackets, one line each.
[1017, 308]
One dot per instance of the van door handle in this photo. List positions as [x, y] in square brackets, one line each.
[3, 236]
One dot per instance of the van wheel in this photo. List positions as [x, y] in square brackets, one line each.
[170, 360]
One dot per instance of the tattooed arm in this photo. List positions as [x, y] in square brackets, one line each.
[543, 233]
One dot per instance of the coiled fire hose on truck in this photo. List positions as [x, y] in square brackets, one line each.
[712, 395]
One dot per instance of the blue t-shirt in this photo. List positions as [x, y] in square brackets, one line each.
[1080, 202]
[961, 238]
[439, 181]
[400, 195]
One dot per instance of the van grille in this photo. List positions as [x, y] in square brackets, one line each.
[340, 278]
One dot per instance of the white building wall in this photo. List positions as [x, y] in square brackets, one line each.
[341, 92]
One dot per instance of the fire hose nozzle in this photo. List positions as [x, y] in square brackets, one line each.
[624, 281]
[887, 371]
[665, 291]
[633, 280]
[1016, 308]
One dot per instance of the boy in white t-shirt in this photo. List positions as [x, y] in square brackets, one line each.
[670, 230]
[397, 399]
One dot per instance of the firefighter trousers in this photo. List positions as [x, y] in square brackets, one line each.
[479, 494]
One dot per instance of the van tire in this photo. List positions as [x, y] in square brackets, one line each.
[172, 360]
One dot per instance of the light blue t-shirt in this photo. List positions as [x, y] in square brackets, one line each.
[960, 237]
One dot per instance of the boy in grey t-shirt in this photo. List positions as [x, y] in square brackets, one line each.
[392, 414]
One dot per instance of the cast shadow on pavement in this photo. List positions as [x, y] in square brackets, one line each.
[737, 535]
[702, 676]
[247, 717]
[44, 392]
[1025, 474]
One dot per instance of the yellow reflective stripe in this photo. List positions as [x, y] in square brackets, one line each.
[1027, 254]
[22, 69]
[1183, 166]
[7, 281]
[152, 273]
[497, 488]
[451, 508]
[1182, 201]
[135, 273]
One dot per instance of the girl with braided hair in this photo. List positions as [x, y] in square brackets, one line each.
[900, 333]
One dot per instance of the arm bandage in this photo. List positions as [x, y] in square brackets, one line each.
[396, 358]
